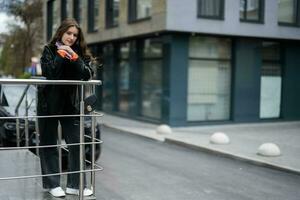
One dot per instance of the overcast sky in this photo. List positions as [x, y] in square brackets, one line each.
[3, 22]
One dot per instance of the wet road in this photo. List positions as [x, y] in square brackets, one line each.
[137, 168]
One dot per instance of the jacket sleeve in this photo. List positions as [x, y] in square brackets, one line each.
[52, 65]
[83, 68]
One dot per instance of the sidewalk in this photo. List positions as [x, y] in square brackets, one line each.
[245, 139]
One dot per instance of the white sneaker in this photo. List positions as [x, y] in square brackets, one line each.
[57, 192]
[86, 192]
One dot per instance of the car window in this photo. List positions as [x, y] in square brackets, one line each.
[13, 94]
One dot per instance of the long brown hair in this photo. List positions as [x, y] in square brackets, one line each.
[80, 45]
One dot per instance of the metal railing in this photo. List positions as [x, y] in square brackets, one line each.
[81, 115]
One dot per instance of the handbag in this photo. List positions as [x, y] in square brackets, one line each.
[90, 103]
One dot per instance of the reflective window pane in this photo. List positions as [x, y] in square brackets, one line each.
[151, 88]
[286, 11]
[251, 10]
[96, 13]
[143, 8]
[210, 8]
[209, 79]
[77, 7]
[56, 20]
[112, 13]
[115, 14]
[271, 81]
[151, 82]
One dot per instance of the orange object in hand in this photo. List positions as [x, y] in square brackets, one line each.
[65, 54]
[74, 57]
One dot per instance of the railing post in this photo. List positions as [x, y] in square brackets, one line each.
[37, 129]
[59, 132]
[81, 154]
[18, 129]
[93, 149]
[26, 122]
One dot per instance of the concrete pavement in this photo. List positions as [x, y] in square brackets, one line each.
[245, 139]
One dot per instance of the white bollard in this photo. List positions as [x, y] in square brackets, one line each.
[163, 129]
[268, 149]
[219, 138]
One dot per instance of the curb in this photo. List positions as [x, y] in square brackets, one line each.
[234, 156]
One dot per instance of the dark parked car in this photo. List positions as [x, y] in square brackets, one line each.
[9, 98]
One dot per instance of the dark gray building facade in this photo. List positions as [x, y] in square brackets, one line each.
[192, 62]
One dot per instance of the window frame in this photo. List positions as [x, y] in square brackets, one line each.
[296, 15]
[220, 15]
[132, 12]
[261, 13]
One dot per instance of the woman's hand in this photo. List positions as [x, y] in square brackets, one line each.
[67, 48]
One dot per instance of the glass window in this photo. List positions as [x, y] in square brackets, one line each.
[93, 14]
[271, 80]
[209, 79]
[52, 18]
[288, 10]
[77, 10]
[139, 9]
[251, 10]
[112, 13]
[151, 82]
[64, 9]
[211, 9]
[56, 21]
[49, 19]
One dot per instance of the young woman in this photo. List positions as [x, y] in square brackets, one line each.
[65, 58]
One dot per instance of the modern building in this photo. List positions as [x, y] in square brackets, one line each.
[191, 62]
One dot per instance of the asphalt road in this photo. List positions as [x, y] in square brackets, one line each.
[136, 168]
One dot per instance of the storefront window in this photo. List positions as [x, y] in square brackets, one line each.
[151, 87]
[209, 79]
[270, 88]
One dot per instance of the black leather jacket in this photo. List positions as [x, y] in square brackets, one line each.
[61, 99]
